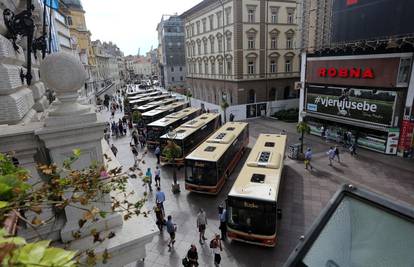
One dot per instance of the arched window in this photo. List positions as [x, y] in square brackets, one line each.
[252, 96]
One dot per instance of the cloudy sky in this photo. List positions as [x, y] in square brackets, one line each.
[131, 24]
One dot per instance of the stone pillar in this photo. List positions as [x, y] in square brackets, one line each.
[70, 125]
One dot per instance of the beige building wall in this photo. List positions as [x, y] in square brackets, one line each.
[239, 61]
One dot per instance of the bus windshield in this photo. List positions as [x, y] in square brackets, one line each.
[204, 173]
[251, 216]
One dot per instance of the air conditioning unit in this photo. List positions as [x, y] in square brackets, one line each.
[298, 85]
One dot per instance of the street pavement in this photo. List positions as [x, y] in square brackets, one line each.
[303, 194]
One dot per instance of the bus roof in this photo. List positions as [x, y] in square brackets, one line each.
[186, 129]
[161, 109]
[142, 95]
[261, 174]
[133, 91]
[157, 103]
[173, 117]
[218, 142]
[149, 98]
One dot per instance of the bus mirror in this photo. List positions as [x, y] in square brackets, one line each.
[279, 214]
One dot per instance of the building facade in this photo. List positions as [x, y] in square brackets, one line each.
[242, 51]
[107, 65]
[366, 87]
[172, 51]
[81, 43]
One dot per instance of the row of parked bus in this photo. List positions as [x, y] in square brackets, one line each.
[210, 152]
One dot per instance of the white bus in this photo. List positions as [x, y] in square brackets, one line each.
[209, 165]
[191, 134]
[163, 111]
[252, 204]
[160, 127]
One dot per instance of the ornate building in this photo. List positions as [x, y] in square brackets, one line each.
[242, 51]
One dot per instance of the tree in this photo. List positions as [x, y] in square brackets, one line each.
[224, 105]
[302, 128]
[171, 152]
[136, 116]
[62, 187]
[188, 95]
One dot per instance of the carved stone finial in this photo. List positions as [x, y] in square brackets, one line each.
[66, 75]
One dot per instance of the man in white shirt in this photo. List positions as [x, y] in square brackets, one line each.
[201, 224]
[160, 198]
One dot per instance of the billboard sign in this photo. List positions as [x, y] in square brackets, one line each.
[354, 20]
[350, 71]
[365, 105]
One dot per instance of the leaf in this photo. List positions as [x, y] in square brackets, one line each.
[36, 209]
[58, 257]
[37, 221]
[3, 204]
[105, 256]
[88, 215]
[31, 253]
[97, 238]
[77, 152]
[102, 214]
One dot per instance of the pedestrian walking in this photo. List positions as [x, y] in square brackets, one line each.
[141, 139]
[134, 154]
[337, 153]
[135, 138]
[331, 155]
[216, 246]
[159, 214]
[201, 225]
[192, 257]
[157, 174]
[352, 149]
[171, 229]
[114, 149]
[327, 132]
[160, 198]
[223, 219]
[148, 175]
[231, 117]
[157, 153]
[345, 139]
[308, 158]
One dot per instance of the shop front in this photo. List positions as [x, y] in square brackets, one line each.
[361, 97]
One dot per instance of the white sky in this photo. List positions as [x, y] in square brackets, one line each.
[131, 24]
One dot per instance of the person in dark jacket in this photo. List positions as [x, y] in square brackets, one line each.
[192, 256]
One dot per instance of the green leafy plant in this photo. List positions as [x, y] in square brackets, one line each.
[136, 116]
[15, 251]
[171, 152]
[61, 188]
[302, 128]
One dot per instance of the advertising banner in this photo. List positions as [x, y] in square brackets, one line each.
[363, 105]
[406, 137]
[354, 20]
